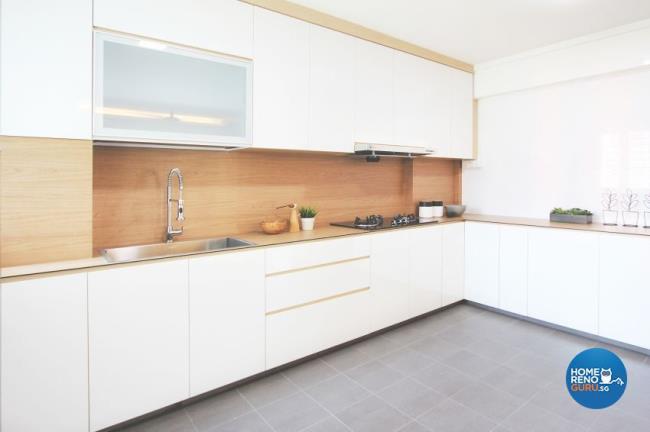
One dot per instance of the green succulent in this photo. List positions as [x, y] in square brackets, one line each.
[307, 212]
[573, 212]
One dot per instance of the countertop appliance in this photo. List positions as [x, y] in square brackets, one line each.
[377, 222]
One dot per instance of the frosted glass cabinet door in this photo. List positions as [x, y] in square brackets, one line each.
[148, 91]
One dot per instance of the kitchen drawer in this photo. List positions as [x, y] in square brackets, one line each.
[292, 257]
[299, 332]
[286, 290]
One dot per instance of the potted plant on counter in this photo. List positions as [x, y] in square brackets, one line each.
[630, 214]
[610, 212]
[307, 217]
[646, 213]
[574, 215]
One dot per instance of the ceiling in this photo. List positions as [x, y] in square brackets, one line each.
[476, 31]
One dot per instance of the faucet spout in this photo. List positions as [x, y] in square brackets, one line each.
[180, 208]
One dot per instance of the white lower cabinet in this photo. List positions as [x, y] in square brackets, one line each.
[482, 263]
[138, 337]
[389, 278]
[425, 274]
[44, 379]
[513, 269]
[624, 294]
[227, 325]
[453, 263]
[563, 277]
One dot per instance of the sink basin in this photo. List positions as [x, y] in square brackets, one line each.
[161, 250]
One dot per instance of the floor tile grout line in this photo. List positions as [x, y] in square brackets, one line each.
[187, 414]
[326, 410]
[256, 411]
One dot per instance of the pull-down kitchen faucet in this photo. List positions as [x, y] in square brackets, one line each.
[180, 215]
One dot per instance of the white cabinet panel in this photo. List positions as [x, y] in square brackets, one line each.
[389, 278]
[304, 286]
[218, 25]
[45, 65]
[331, 90]
[296, 256]
[440, 121]
[373, 107]
[138, 329]
[150, 92]
[227, 325]
[462, 114]
[453, 263]
[299, 332]
[563, 277]
[281, 81]
[482, 263]
[45, 355]
[624, 294]
[413, 101]
[513, 269]
[425, 275]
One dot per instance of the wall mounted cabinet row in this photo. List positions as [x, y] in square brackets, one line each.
[90, 350]
[587, 281]
[314, 88]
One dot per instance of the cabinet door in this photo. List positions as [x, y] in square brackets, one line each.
[425, 276]
[218, 25]
[138, 331]
[45, 61]
[281, 81]
[462, 114]
[624, 297]
[331, 90]
[373, 107]
[227, 319]
[513, 269]
[413, 104]
[45, 355]
[453, 263]
[562, 278]
[482, 263]
[440, 99]
[389, 281]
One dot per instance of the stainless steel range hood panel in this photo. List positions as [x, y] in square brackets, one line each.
[390, 150]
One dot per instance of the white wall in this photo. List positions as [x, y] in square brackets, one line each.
[561, 145]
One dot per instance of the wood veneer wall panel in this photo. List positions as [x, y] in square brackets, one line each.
[230, 193]
[45, 200]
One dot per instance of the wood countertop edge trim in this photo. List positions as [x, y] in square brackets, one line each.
[504, 220]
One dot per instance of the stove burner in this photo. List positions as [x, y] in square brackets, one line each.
[400, 220]
[371, 221]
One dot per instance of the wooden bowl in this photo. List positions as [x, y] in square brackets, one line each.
[275, 227]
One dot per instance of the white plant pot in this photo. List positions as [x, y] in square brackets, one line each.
[610, 217]
[307, 224]
[630, 218]
[646, 219]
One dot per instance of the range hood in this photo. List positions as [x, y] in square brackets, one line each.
[372, 152]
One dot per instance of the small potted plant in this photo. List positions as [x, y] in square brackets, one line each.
[574, 215]
[630, 214]
[646, 213]
[307, 217]
[610, 212]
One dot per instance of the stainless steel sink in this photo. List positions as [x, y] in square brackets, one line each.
[161, 250]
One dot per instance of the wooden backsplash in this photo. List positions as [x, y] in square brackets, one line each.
[227, 193]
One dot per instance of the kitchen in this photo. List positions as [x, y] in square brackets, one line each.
[265, 215]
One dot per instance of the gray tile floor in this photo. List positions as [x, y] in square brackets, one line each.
[463, 369]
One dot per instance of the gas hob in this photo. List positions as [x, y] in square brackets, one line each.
[377, 222]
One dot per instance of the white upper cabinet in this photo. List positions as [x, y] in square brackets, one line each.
[224, 26]
[331, 90]
[624, 294]
[462, 114]
[44, 380]
[373, 106]
[227, 319]
[138, 327]
[281, 81]
[563, 277]
[45, 65]
[413, 101]
[482, 263]
[151, 92]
